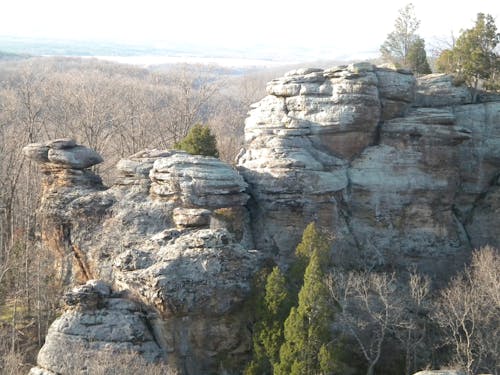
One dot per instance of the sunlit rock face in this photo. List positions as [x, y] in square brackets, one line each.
[95, 321]
[171, 235]
[403, 172]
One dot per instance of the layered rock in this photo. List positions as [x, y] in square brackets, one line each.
[64, 165]
[96, 321]
[173, 234]
[402, 172]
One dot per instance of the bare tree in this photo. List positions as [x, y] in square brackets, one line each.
[191, 91]
[369, 309]
[411, 331]
[468, 311]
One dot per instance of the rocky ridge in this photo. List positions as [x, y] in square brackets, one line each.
[402, 172]
[396, 168]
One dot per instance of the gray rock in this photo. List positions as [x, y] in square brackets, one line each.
[191, 217]
[84, 330]
[194, 278]
[61, 143]
[394, 167]
[141, 163]
[438, 90]
[63, 153]
[78, 157]
[199, 181]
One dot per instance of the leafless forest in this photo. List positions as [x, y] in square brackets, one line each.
[119, 110]
[116, 110]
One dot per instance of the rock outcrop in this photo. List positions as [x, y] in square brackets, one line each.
[172, 234]
[403, 172]
[96, 320]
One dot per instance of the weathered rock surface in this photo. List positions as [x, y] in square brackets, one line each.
[403, 172]
[95, 321]
[197, 181]
[171, 233]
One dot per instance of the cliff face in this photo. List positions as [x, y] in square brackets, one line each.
[404, 173]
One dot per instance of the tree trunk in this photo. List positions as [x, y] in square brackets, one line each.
[371, 369]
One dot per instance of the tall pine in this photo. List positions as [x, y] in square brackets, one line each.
[307, 328]
[268, 331]
[295, 340]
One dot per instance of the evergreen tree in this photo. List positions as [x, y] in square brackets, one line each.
[417, 57]
[199, 141]
[268, 331]
[474, 56]
[294, 340]
[312, 240]
[307, 328]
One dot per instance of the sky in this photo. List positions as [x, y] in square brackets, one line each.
[326, 28]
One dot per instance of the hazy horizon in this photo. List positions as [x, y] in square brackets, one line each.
[281, 30]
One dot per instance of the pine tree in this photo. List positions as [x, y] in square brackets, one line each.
[268, 331]
[417, 57]
[294, 340]
[307, 328]
[473, 58]
[199, 141]
[474, 54]
[312, 240]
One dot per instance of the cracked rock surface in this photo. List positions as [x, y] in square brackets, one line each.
[403, 171]
[95, 320]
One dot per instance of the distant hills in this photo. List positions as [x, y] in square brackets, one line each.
[18, 47]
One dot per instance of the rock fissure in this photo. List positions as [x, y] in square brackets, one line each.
[80, 259]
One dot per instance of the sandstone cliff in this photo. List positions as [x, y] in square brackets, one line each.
[403, 173]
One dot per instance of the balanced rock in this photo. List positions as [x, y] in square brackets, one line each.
[64, 153]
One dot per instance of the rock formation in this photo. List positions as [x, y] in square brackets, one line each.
[402, 172]
[95, 321]
[405, 173]
[171, 234]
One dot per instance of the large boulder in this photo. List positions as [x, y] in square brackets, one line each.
[96, 320]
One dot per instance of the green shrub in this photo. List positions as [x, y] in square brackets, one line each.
[199, 141]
